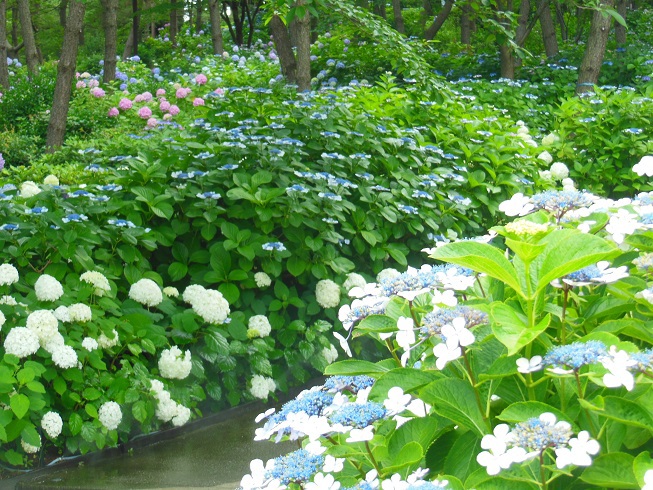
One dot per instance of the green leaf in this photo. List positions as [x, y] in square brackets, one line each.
[354, 367]
[617, 408]
[409, 455]
[455, 399]
[19, 405]
[521, 411]
[613, 470]
[461, 460]
[91, 394]
[480, 257]
[408, 379]
[230, 292]
[75, 423]
[139, 411]
[25, 375]
[641, 465]
[376, 324]
[296, 265]
[420, 429]
[217, 342]
[91, 410]
[177, 271]
[31, 436]
[511, 329]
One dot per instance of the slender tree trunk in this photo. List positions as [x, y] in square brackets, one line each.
[590, 68]
[4, 68]
[548, 33]
[580, 22]
[506, 53]
[126, 53]
[619, 30]
[522, 20]
[303, 50]
[399, 18]
[428, 8]
[173, 25]
[466, 23]
[65, 76]
[560, 17]
[136, 21]
[14, 25]
[198, 16]
[216, 28]
[433, 29]
[63, 7]
[28, 37]
[283, 47]
[110, 17]
[379, 8]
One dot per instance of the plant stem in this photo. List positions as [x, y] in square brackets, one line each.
[478, 280]
[542, 471]
[392, 351]
[563, 326]
[470, 373]
[372, 460]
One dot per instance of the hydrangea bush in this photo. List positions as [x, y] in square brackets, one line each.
[523, 360]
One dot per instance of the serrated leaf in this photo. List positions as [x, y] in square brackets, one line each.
[75, 423]
[19, 405]
[613, 470]
[217, 342]
[139, 411]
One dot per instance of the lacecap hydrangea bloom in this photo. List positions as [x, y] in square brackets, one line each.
[8, 275]
[173, 364]
[98, 281]
[110, 415]
[262, 279]
[327, 293]
[47, 288]
[52, 424]
[146, 292]
[259, 326]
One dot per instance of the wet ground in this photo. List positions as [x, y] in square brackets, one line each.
[213, 453]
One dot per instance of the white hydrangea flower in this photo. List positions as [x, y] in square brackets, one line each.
[354, 280]
[182, 416]
[47, 288]
[330, 354]
[327, 293]
[21, 342]
[8, 300]
[3, 319]
[79, 312]
[110, 415]
[52, 424]
[64, 356]
[262, 386]
[8, 274]
[107, 342]
[211, 306]
[98, 281]
[259, 326]
[559, 171]
[644, 166]
[62, 314]
[44, 324]
[171, 292]
[173, 364]
[28, 448]
[262, 279]
[146, 292]
[51, 180]
[29, 189]
[550, 138]
[648, 480]
[54, 343]
[388, 273]
[90, 344]
[193, 293]
[545, 175]
[546, 157]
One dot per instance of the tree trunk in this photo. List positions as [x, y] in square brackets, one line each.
[506, 54]
[216, 27]
[126, 53]
[14, 25]
[110, 17]
[284, 49]
[580, 22]
[303, 49]
[173, 25]
[433, 29]
[379, 8]
[65, 76]
[619, 30]
[522, 21]
[590, 68]
[466, 23]
[548, 33]
[4, 68]
[428, 8]
[198, 16]
[136, 20]
[560, 17]
[63, 7]
[399, 18]
[28, 37]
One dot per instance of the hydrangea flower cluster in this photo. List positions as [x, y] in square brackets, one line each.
[168, 410]
[207, 303]
[261, 386]
[259, 326]
[327, 293]
[173, 364]
[47, 288]
[146, 292]
[98, 280]
[110, 415]
[52, 424]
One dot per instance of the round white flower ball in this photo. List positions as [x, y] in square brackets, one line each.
[47, 288]
[568, 184]
[327, 293]
[90, 344]
[8, 274]
[388, 273]
[52, 424]
[171, 292]
[98, 281]
[29, 189]
[212, 307]
[545, 156]
[146, 292]
[64, 356]
[21, 342]
[28, 448]
[182, 416]
[193, 293]
[79, 312]
[44, 324]
[175, 365]
[549, 139]
[258, 326]
[107, 342]
[546, 175]
[8, 300]
[62, 314]
[262, 279]
[262, 386]
[3, 319]
[51, 180]
[110, 415]
[559, 171]
[354, 280]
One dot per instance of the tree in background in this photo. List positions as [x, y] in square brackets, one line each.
[215, 8]
[4, 69]
[110, 23]
[31, 53]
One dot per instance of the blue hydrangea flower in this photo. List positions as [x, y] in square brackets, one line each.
[37, 210]
[74, 217]
[350, 383]
[122, 223]
[358, 415]
[209, 195]
[9, 227]
[278, 246]
[407, 209]
[296, 467]
[575, 355]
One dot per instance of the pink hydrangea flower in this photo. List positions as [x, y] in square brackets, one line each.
[113, 112]
[147, 96]
[145, 112]
[198, 101]
[167, 117]
[174, 110]
[182, 93]
[139, 98]
[219, 91]
[201, 79]
[125, 104]
[93, 83]
[164, 106]
[151, 122]
[160, 92]
[80, 84]
[97, 92]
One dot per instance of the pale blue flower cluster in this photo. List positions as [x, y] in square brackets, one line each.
[575, 355]
[536, 434]
[296, 467]
[358, 415]
[433, 321]
[350, 383]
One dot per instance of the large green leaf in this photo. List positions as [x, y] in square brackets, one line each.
[455, 399]
[521, 411]
[613, 470]
[408, 379]
[19, 405]
[511, 327]
[480, 257]
[461, 460]
[354, 367]
[625, 411]
[422, 430]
